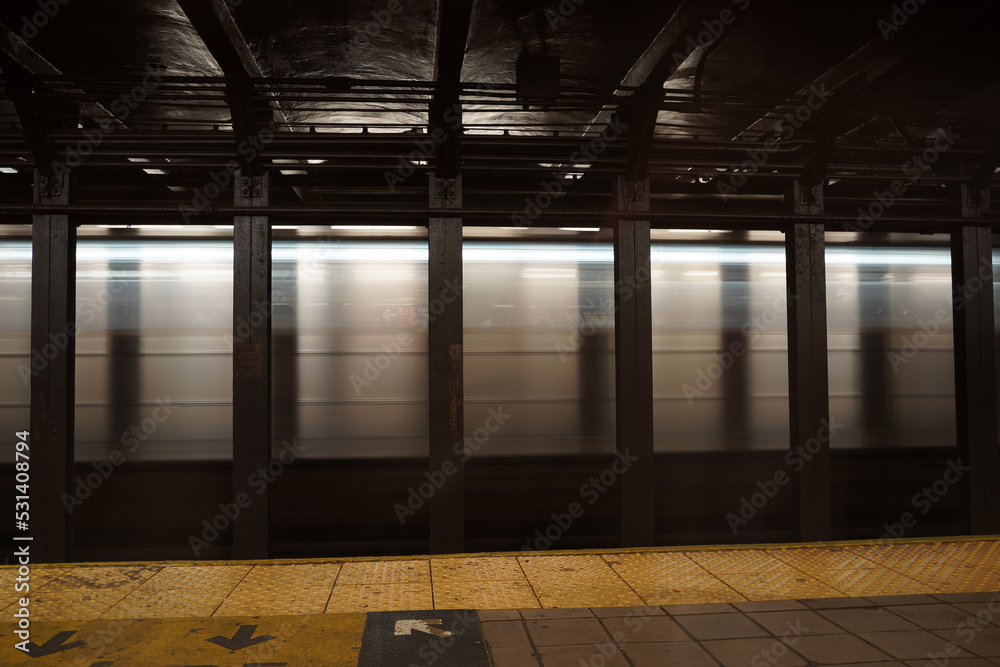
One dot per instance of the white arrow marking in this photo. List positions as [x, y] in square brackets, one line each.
[422, 625]
[386, 314]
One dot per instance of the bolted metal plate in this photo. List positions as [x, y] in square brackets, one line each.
[249, 360]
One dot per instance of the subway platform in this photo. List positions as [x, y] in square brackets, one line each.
[908, 602]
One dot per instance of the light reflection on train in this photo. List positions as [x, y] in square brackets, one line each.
[350, 365]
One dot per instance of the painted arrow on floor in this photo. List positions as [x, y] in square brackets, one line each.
[54, 645]
[242, 639]
[407, 627]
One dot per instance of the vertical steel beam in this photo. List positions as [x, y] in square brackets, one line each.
[53, 364]
[251, 367]
[634, 367]
[808, 387]
[976, 376]
[445, 360]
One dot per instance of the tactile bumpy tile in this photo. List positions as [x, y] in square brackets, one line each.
[670, 578]
[746, 562]
[85, 593]
[961, 579]
[811, 560]
[877, 581]
[282, 589]
[963, 566]
[484, 594]
[577, 581]
[179, 591]
[388, 571]
[777, 586]
[379, 597]
[499, 568]
[36, 579]
[899, 557]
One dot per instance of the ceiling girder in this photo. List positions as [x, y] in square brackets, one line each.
[250, 110]
[445, 114]
[20, 53]
[871, 70]
[19, 88]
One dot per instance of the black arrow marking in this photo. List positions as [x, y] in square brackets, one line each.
[242, 639]
[54, 645]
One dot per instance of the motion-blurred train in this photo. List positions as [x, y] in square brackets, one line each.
[349, 372]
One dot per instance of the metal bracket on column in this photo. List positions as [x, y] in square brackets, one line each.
[974, 201]
[445, 192]
[633, 195]
[807, 199]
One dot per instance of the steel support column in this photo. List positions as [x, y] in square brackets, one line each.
[251, 367]
[634, 367]
[976, 377]
[808, 387]
[445, 360]
[53, 371]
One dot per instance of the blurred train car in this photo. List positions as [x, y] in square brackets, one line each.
[349, 369]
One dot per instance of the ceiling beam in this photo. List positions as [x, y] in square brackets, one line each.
[445, 115]
[873, 68]
[20, 53]
[249, 109]
[678, 43]
[19, 88]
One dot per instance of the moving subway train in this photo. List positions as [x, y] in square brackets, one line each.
[349, 368]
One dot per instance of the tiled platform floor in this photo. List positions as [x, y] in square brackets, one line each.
[686, 606]
[959, 629]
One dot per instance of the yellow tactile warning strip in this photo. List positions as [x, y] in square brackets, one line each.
[282, 589]
[525, 580]
[330, 641]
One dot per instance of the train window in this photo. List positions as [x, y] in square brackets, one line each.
[720, 378]
[349, 391]
[890, 346]
[892, 390]
[720, 392]
[154, 395]
[15, 336]
[539, 392]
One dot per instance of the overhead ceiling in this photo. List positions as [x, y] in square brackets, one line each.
[705, 92]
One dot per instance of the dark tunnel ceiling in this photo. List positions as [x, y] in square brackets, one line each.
[944, 66]
[781, 47]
